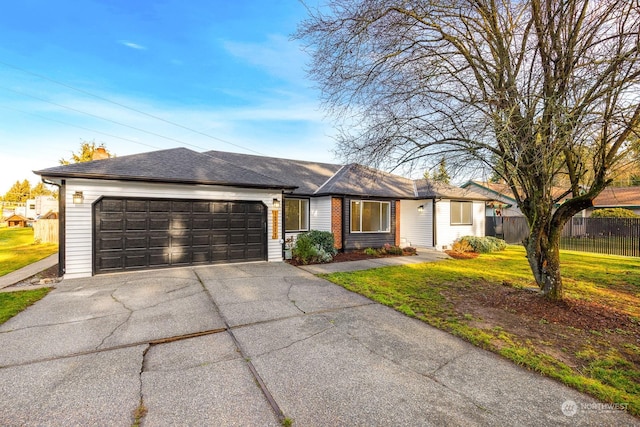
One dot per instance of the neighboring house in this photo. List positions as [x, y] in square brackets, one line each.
[617, 197]
[17, 221]
[504, 204]
[502, 201]
[178, 207]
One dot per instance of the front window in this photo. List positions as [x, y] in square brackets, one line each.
[296, 215]
[370, 217]
[461, 213]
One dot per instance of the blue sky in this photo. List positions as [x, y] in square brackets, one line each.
[225, 69]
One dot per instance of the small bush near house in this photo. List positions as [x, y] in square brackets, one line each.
[371, 252]
[324, 239]
[391, 250]
[614, 213]
[484, 245]
[461, 247]
[313, 247]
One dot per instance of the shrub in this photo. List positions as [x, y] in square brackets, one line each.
[614, 213]
[391, 250]
[324, 239]
[410, 250]
[483, 245]
[314, 246]
[304, 251]
[461, 247]
[371, 252]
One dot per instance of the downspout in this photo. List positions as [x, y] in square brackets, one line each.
[61, 223]
[433, 223]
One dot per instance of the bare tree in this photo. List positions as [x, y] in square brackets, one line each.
[536, 91]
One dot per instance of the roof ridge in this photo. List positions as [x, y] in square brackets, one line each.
[329, 179]
[241, 167]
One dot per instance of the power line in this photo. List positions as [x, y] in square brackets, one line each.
[80, 127]
[128, 108]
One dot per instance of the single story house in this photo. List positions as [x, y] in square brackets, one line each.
[17, 221]
[617, 197]
[504, 204]
[178, 207]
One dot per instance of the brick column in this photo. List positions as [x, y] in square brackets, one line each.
[336, 221]
[397, 222]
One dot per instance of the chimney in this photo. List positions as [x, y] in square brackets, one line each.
[99, 154]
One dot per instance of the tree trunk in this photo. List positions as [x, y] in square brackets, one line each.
[543, 255]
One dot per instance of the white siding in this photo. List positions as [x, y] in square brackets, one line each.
[446, 233]
[320, 215]
[416, 228]
[78, 231]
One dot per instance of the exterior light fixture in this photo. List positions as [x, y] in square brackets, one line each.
[420, 208]
[78, 198]
[276, 203]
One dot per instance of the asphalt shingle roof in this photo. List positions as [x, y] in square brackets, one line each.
[181, 165]
[307, 176]
[176, 165]
[358, 180]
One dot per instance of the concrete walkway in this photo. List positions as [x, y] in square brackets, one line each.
[251, 344]
[28, 271]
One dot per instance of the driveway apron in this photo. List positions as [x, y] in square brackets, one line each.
[251, 344]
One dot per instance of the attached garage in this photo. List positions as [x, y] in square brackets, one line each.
[134, 233]
[163, 209]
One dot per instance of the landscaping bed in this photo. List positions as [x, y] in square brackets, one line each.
[357, 255]
[590, 340]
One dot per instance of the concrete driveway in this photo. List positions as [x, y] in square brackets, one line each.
[249, 344]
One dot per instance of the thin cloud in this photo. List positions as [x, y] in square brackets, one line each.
[132, 45]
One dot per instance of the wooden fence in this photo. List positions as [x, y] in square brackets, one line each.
[611, 236]
[45, 230]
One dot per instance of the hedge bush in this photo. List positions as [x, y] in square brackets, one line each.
[614, 213]
[313, 247]
[484, 245]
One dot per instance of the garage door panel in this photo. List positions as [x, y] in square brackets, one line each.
[136, 259]
[112, 224]
[161, 206]
[203, 207]
[159, 259]
[110, 205]
[201, 240]
[111, 263]
[136, 242]
[201, 223]
[180, 206]
[134, 224]
[134, 234]
[136, 206]
[159, 241]
[156, 223]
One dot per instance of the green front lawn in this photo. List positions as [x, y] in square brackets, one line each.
[12, 303]
[590, 341]
[18, 249]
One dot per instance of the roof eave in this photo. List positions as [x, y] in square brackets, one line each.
[47, 175]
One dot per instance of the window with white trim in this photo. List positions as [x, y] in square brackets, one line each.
[296, 215]
[461, 213]
[370, 217]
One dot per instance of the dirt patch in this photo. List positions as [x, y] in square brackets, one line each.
[462, 255]
[559, 329]
[48, 276]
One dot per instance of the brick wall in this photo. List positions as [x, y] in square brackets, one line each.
[336, 221]
[397, 223]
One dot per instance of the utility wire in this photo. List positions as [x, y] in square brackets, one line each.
[101, 118]
[80, 127]
[128, 108]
